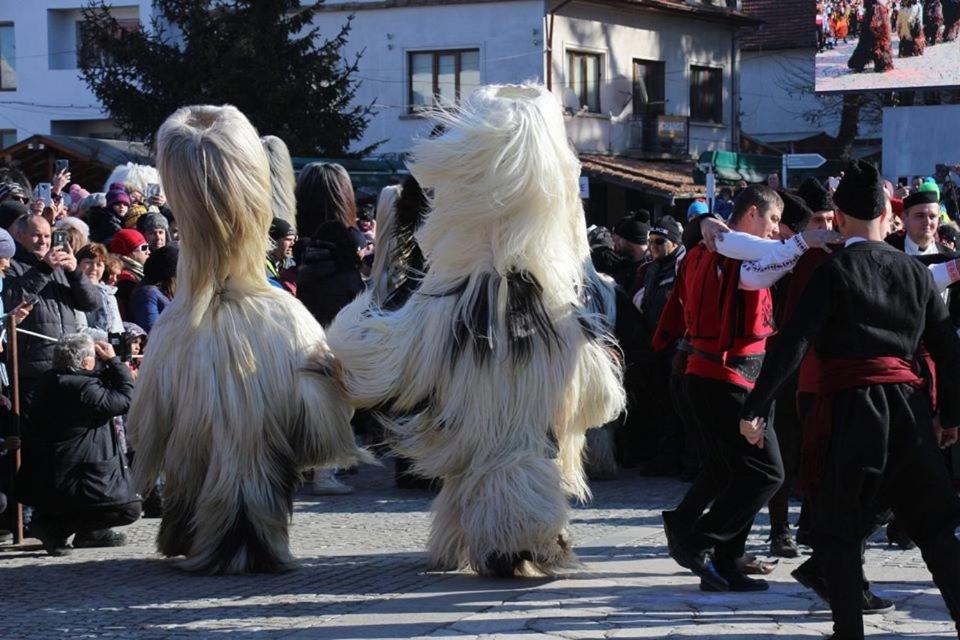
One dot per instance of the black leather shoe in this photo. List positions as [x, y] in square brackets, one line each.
[702, 566]
[783, 546]
[874, 604]
[737, 581]
[811, 580]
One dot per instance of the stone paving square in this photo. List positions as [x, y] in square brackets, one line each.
[363, 574]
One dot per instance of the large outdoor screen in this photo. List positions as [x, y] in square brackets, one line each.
[887, 45]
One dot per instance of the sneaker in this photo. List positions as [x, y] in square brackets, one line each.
[99, 538]
[327, 484]
[737, 581]
[783, 546]
[874, 604]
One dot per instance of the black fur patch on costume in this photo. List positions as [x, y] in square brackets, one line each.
[527, 317]
[176, 529]
[242, 534]
[472, 330]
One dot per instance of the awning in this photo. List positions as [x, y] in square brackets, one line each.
[660, 178]
[730, 168]
[91, 159]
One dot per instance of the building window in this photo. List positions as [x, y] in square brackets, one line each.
[583, 78]
[8, 137]
[442, 78]
[706, 94]
[89, 53]
[649, 97]
[8, 58]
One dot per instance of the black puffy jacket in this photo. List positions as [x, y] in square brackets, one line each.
[72, 459]
[63, 296]
[328, 277]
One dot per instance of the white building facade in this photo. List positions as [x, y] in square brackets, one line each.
[40, 88]
[674, 64]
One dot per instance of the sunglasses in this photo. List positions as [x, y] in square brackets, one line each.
[144, 247]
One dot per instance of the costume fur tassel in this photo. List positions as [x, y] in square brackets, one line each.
[238, 391]
[499, 362]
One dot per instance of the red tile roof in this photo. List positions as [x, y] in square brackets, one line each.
[658, 177]
[788, 24]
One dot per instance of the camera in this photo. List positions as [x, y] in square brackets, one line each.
[121, 344]
[153, 190]
[61, 166]
[45, 192]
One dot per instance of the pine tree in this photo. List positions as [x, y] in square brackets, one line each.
[263, 56]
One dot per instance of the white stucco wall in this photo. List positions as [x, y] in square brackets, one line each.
[916, 139]
[508, 35]
[772, 101]
[623, 35]
[48, 85]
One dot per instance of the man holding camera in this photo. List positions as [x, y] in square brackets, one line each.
[47, 277]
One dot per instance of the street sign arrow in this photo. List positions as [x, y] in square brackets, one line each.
[805, 160]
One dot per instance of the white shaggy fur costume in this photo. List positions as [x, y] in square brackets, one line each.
[492, 372]
[238, 391]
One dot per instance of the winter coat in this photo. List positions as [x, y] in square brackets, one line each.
[146, 305]
[658, 282]
[72, 458]
[128, 280]
[329, 277]
[107, 316]
[62, 298]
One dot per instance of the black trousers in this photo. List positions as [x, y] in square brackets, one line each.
[63, 525]
[882, 455]
[747, 476]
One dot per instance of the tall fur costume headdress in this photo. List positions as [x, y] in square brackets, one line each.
[239, 390]
[496, 366]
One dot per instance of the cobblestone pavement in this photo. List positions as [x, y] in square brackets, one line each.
[363, 575]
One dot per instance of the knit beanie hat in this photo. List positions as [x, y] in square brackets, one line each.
[860, 193]
[668, 228]
[117, 197]
[697, 208]
[632, 230]
[126, 241]
[280, 229]
[135, 330]
[796, 213]
[151, 221]
[815, 195]
[161, 265]
[7, 246]
[10, 210]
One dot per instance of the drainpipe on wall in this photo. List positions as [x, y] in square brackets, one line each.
[735, 92]
[550, 16]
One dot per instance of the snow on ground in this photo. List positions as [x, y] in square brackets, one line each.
[939, 66]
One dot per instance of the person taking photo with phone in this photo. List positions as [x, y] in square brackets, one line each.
[47, 276]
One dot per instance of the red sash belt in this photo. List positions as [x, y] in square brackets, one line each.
[828, 377]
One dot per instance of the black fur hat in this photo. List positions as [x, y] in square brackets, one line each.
[860, 193]
[796, 213]
[815, 195]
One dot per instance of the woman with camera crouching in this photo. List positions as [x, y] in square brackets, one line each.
[75, 473]
[157, 288]
[328, 255]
